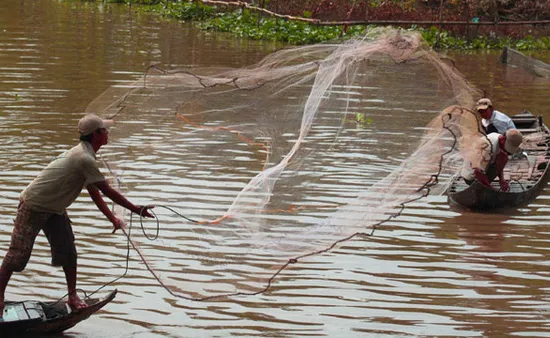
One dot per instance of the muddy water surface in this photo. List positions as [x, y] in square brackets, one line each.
[435, 271]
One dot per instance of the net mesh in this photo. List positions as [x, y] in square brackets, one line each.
[266, 133]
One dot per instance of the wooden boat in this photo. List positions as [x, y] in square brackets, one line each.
[33, 318]
[514, 58]
[525, 180]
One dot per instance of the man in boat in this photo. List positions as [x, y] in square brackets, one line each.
[44, 201]
[492, 120]
[495, 150]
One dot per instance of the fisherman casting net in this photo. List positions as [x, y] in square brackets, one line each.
[285, 158]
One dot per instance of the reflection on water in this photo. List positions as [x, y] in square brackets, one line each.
[434, 271]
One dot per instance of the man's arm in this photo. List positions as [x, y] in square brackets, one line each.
[102, 206]
[119, 199]
[511, 124]
[500, 161]
[482, 178]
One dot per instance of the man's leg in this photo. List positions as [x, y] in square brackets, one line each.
[5, 275]
[19, 252]
[74, 301]
[59, 232]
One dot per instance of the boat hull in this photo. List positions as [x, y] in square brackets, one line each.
[34, 318]
[479, 196]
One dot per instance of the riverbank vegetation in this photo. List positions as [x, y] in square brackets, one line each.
[444, 24]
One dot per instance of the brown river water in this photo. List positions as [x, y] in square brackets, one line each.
[435, 271]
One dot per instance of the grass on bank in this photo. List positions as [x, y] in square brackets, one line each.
[246, 24]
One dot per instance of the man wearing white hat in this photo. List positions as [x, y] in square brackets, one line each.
[44, 201]
[492, 120]
[495, 150]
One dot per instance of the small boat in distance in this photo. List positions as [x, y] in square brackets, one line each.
[527, 174]
[514, 58]
[36, 319]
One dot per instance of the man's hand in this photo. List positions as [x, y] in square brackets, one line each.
[482, 178]
[504, 186]
[144, 211]
[118, 223]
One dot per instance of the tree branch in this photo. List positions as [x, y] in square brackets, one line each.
[318, 22]
[243, 4]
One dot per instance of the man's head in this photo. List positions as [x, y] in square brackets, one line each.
[513, 141]
[94, 130]
[485, 108]
[92, 123]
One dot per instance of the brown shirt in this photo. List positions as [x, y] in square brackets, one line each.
[60, 183]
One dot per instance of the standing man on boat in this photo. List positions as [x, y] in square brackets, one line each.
[492, 120]
[44, 201]
[495, 150]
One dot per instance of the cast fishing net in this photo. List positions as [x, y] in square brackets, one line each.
[286, 158]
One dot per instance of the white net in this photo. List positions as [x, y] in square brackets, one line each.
[273, 126]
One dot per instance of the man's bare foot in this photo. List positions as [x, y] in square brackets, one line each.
[76, 303]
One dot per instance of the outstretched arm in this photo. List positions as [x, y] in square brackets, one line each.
[102, 206]
[94, 190]
[117, 197]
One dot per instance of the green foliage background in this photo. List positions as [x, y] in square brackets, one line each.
[247, 24]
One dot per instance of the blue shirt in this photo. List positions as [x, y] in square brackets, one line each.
[499, 121]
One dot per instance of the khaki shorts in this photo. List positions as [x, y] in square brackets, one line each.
[28, 224]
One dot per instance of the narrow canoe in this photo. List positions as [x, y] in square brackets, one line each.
[514, 58]
[36, 319]
[527, 174]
